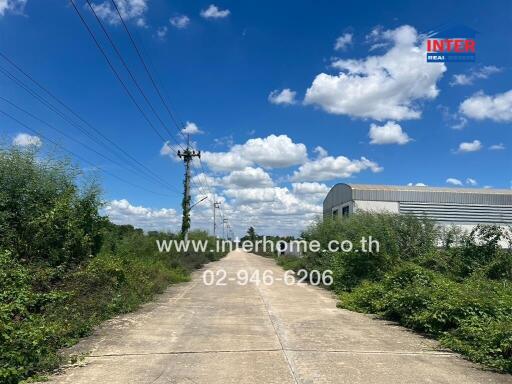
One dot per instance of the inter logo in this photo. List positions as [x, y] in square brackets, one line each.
[452, 45]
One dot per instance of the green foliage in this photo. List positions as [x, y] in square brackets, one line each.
[459, 292]
[44, 216]
[64, 268]
[401, 238]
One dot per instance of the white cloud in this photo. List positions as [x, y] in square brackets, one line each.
[473, 146]
[416, 184]
[452, 119]
[161, 32]
[286, 96]
[311, 192]
[248, 178]
[166, 149]
[122, 212]
[389, 133]
[380, 87]
[269, 152]
[478, 73]
[26, 140]
[309, 188]
[453, 181]
[343, 42]
[472, 182]
[213, 12]
[241, 179]
[330, 168]
[321, 152]
[481, 106]
[129, 9]
[180, 21]
[191, 129]
[224, 161]
[12, 6]
[497, 147]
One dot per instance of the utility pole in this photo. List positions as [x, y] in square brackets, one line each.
[187, 155]
[216, 205]
[224, 221]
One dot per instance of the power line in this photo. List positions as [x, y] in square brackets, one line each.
[144, 170]
[148, 72]
[124, 86]
[36, 132]
[153, 82]
[65, 134]
[132, 76]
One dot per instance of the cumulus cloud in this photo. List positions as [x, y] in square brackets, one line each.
[330, 168]
[129, 9]
[320, 152]
[481, 106]
[248, 178]
[123, 212]
[213, 12]
[380, 87]
[343, 41]
[12, 6]
[472, 146]
[389, 133]
[26, 140]
[453, 181]
[478, 73]
[241, 179]
[191, 129]
[312, 192]
[285, 96]
[166, 149]
[180, 21]
[225, 161]
[269, 152]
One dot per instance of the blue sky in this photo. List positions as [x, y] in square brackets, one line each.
[266, 84]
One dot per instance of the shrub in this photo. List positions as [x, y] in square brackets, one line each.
[63, 267]
[400, 237]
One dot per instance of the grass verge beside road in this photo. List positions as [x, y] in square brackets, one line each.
[63, 267]
[459, 293]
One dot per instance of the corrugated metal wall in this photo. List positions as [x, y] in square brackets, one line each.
[460, 213]
[457, 205]
[432, 196]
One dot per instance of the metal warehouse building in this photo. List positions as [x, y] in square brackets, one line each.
[464, 207]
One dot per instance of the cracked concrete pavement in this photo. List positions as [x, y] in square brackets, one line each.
[194, 333]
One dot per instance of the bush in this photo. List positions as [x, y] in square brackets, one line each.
[44, 216]
[459, 292]
[472, 317]
[63, 267]
[401, 238]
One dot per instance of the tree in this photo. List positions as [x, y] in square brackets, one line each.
[44, 215]
[251, 234]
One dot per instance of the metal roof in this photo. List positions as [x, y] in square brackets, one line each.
[341, 193]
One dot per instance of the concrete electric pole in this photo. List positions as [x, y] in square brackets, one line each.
[216, 205]
[187, 155]
[224, 222]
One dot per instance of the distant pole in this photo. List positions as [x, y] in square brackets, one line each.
[187, 155]
[216, 205]
[224, 221]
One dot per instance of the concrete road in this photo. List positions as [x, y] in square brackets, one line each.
[254, 334]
